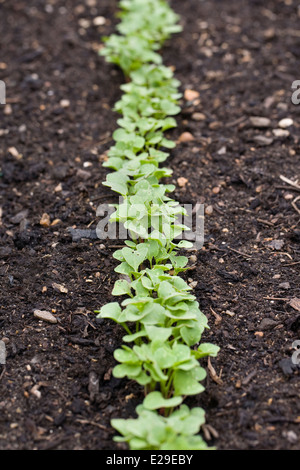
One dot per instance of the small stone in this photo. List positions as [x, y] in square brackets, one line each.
[83, 174]
[22, 128]
[45, 220]
[193, 258]
[182, 182]
[193, 284]
[291, 436]
[84, 23]
[281, 132]
[215, 125]
[238, 384]
[295, 303]
[269, 33]
[286, 122]
[19, 217]
[269, 101]
[35, 391]
[14, 152]
[45, 316]
[284, 285]
[276, 244]
[263, 140]
[59, 288]
[186, 137]
[191, 95]
[268, 323]
[260, 122]
[99, 21]
[198, 117]
[64, 103]
[259, 334]
[222, 150]
[7, 109]
[216, 190]
[228, 312]
[58, 188]
[93, 386]
[55, 222]
[209, 210]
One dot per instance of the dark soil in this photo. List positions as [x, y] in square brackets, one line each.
[242, 56]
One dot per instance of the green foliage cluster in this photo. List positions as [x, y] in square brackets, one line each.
[161, 317]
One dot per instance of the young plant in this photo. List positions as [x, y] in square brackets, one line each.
[161, 317]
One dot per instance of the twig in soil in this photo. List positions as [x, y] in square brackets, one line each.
[295, 206]
[287, 188]
[92, 423]
[276, 298]
[240, 120]
[249, 377]
[209, 431]
[266, 222]
[2, 373]
[288, 181]
[217, 316]
[239, 252]
[216, 378]
[291, 264]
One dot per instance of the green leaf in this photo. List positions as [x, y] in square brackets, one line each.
[158, 334]
[111, 310]
[207, 349]
[121, 287]
[129, 370]
[155, 401]
[186, 384]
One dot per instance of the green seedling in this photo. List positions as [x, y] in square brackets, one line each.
[151, 431]
[162, 349]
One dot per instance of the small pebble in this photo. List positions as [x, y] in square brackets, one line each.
[191, 95]
[286, 122]
[216, 190]
[198, 117]
[45, 316]
[291, 436]
[209, 210]
[186, 137]
[59, 288]
[263, 140]
[259, 334]
[260, 122]
[83, 174]
[281, 132]
[284, 285]
[45, 220]
[182, 182]
[99, 21]
[64, 103]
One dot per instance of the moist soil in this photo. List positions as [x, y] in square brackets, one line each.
[56, 388]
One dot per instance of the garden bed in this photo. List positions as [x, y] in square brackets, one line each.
[55, 131]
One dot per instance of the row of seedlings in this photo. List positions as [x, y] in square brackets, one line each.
[161, 317]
